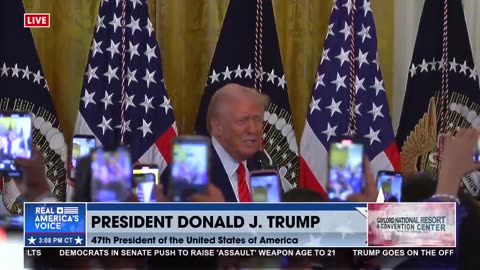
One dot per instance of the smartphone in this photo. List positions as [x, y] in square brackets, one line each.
[391, 184]
[11, 222]
[265, 186]
[111, 172]
[140, 169]
[190, 167]
[345, 174]
[476, 151]
[144, 187]
[82, 145]
[15, 140]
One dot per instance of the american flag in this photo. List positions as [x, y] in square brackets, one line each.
[149, 122]
[328, 114]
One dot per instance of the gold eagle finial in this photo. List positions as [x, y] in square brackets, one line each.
[420, 141]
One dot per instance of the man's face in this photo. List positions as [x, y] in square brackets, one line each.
[239, 128]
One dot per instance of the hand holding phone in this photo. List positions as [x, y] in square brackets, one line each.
[265, 186]
[82, 145]
[190, 167]
[346, 169]
[15, 140]
[111, 175]
[391, 184]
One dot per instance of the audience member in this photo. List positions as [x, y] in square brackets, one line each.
[418, 187]
[34, 184]
[301, 195]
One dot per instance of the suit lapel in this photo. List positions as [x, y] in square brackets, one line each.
[219, 177]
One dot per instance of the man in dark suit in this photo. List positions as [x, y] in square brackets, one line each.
[235, 123]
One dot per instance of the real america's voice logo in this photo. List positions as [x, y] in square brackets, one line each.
[55, 224]
[36, 20]
[55, 217]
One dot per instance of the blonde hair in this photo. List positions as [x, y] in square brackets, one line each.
[229, 93]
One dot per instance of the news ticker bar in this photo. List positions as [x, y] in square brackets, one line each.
[237, 252]
[226, 225]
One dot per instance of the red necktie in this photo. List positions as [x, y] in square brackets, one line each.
[243, 191]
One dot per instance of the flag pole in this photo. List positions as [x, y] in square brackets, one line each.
[259, 46]
[444, 91]
[444, 97]
[122, 116]
[258, 53]
[352, 123]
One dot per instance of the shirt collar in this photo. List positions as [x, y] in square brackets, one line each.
[228, 162]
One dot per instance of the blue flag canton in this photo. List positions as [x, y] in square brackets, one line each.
[148, 111]
[329, 108]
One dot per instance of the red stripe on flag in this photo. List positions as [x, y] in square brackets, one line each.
[164, 144]
[393, 155]
[308, 179]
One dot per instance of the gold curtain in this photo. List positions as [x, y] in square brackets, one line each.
[187, 31]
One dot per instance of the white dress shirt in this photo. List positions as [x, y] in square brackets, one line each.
[230, 166]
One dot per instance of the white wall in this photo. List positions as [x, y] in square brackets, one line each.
[407, 18]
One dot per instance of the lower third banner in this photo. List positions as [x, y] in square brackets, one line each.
[205, 225]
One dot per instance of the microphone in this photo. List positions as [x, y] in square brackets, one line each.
[263, 162]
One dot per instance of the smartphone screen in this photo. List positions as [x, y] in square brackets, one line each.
[11, 222]
[189, 167]
[147, 168]
[345, 169]
[81, 147]
[111, 175]
[476, 151]
[391, 184]
[265, 187]
[15, 140]
[144, 187]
